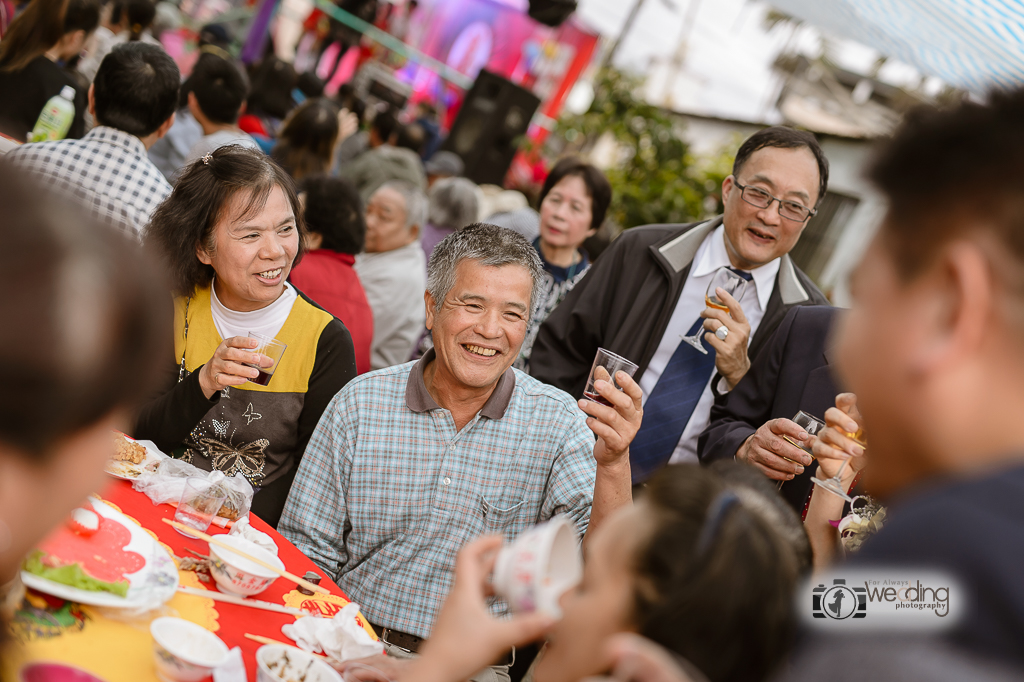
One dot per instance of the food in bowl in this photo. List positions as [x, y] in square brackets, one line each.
[237, 575]
[282, 663]
[184, 651]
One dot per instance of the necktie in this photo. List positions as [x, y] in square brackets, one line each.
[671, 403]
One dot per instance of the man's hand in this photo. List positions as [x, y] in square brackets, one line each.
[834, 444]
[767, 448]
[731, 354]
[365, 669]
[615, 426]
[466, 638]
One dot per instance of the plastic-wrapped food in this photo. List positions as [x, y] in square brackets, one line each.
[167, 484]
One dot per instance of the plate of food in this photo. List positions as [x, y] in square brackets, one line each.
[132, 457]
[101, 557]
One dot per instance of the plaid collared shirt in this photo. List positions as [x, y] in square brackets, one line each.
[107, 172]
[388, 492]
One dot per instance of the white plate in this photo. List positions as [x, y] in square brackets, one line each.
[150, 586]
[127, 471]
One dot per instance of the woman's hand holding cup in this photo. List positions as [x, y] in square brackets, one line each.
[232, 364]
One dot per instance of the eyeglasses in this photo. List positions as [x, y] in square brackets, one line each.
[790, 210]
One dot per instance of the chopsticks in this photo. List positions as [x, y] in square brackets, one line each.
[269, 640]
[214, 541]
[243, 601]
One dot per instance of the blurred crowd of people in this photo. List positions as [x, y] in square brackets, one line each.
[440, 338]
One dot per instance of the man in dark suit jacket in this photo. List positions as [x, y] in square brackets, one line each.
[792, 373]
[644, 293]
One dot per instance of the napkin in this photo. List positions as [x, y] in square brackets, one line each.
[242, 529]
[232, 669]
[340, 638]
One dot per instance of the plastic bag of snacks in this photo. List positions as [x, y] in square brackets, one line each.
[167, 484]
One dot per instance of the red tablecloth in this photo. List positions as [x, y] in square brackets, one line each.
[105, 645]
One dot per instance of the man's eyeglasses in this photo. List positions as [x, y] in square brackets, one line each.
[790, 210]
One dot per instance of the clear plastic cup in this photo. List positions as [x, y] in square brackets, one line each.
[606, 364]
[199, 504]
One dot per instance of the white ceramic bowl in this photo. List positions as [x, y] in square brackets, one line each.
[184, 651]
[236, 574]
[542, 563]
[270, 665]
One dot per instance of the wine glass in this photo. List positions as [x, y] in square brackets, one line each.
[835, 484]
[733, 284]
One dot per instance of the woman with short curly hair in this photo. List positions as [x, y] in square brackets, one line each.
[230, 234]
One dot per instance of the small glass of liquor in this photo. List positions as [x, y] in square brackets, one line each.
[733, 284]
[199, 503]
[810, 424]
[606, 364]
[270, 349]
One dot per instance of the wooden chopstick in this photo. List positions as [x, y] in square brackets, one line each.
[269, 640]
[243, 601]
[214, 541]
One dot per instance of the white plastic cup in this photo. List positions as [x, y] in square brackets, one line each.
[541, 564]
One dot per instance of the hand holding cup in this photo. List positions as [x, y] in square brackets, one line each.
[232, 364]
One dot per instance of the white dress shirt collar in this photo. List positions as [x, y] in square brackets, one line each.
[712, 255]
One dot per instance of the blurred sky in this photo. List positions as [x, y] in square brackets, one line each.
[727, 72]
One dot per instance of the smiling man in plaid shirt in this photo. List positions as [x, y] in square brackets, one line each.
[107, 172]
[410, 462]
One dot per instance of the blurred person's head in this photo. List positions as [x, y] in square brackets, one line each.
[310, 85]
[454, 203]
[934, 344]
[481, 285]
[410, 136]
[306, 141]
[698, 566]
[137, 16]
[333, 214]
[573, 203]
[395, 214]
[58, 27]
[217, 91]
[88, 320]
[235, 216]
[383, 126]
[136, 91]
[443, 164]
[272, 84]
[775, 162]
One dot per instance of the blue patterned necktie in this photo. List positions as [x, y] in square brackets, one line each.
[671, 403]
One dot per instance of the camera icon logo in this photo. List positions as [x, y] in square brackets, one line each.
[840, 601]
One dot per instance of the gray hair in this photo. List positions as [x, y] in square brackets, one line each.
[454, 203]
[414, 198]
[490, 245]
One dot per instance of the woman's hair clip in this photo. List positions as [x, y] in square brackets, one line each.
[207, 158]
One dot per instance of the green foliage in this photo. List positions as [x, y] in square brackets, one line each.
[657, 179]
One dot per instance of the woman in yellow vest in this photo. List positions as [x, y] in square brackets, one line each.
[230, 233]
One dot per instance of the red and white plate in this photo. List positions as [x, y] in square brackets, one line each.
[152, 583]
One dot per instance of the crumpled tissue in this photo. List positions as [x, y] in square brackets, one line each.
[242, 529]
[340, 638]
[232, 669]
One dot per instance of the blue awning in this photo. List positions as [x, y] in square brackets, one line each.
[971, 44]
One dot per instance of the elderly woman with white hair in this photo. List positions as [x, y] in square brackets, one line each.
[393, 270]
[454, 203]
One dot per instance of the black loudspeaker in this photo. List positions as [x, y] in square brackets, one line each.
[551, 12]
[496, 111]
